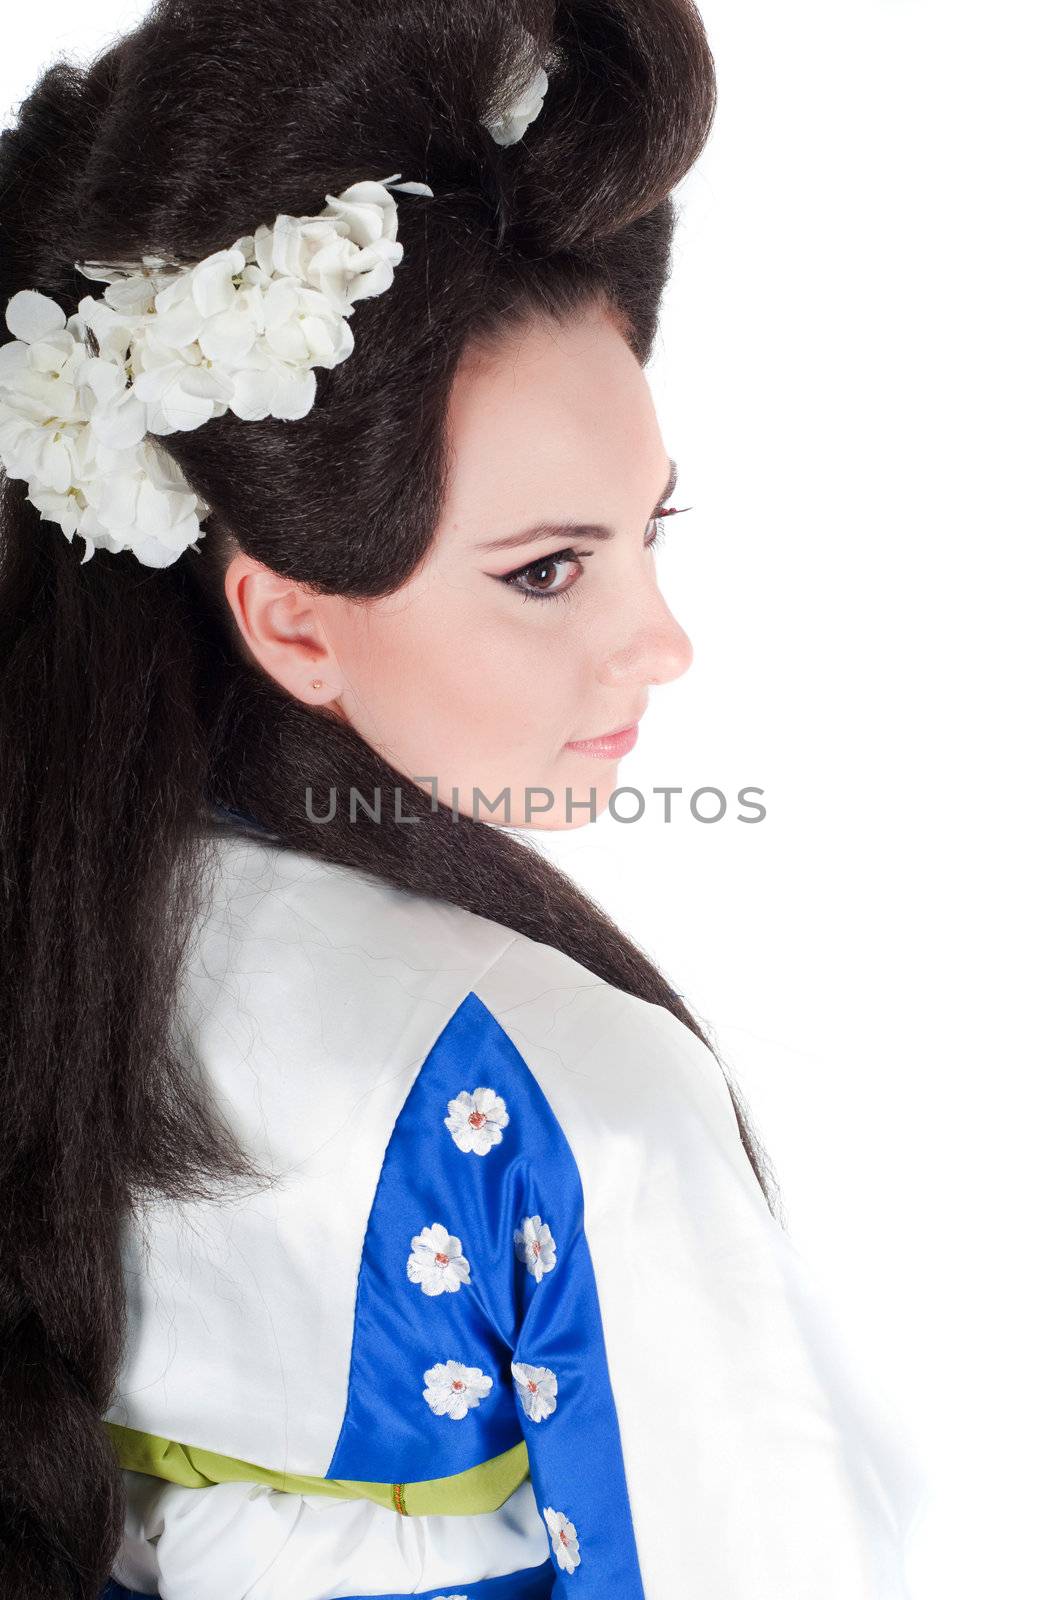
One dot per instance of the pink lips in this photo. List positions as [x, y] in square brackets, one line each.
[609, 746]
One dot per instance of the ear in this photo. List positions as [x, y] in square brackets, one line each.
[281, 626]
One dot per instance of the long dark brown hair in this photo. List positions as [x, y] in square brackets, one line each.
[126, 705]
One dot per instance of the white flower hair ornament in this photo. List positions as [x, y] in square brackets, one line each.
[168, 346]
[512, 124]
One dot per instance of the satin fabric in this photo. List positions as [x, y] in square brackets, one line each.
[240, 1541]
[309, 1000]
[714, 1429]
[536, 1583]
[502, 1315]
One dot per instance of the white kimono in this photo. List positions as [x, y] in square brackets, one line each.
[513, 1320]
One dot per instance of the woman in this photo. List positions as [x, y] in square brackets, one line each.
[377, 1220]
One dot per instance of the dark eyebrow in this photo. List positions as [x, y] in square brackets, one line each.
[570, 530]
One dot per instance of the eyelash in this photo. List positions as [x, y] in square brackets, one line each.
[569, 554]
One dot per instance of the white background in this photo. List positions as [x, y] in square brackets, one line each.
[859, 373]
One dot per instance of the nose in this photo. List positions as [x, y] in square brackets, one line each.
[656, 651]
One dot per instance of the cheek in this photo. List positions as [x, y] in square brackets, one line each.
[453, 679]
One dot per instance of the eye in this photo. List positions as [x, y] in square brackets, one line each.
[545, 564]
[568, 557]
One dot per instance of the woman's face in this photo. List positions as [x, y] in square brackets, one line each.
[509, 644]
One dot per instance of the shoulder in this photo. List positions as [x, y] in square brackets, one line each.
[309, 988]
[344, 1027]
[258, 890]
[295, 953]
[296, 957]
[627, 1081]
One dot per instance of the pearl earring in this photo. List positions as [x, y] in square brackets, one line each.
[316, 683]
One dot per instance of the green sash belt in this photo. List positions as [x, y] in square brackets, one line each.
[484, 1487]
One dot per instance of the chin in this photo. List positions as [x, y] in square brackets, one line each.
[555, 820]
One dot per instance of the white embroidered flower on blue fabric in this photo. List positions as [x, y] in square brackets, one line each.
[476, 1120]
[534, 1244]
[436, 1261]
[537, 1387]
[563, 1538]
[453, 1389]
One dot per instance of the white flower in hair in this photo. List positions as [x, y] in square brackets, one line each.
[70, 427]
[166, 348]
[512, 123]
[41, 423]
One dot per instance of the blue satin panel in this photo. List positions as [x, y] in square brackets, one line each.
[389, 1433]
[534, 1583]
